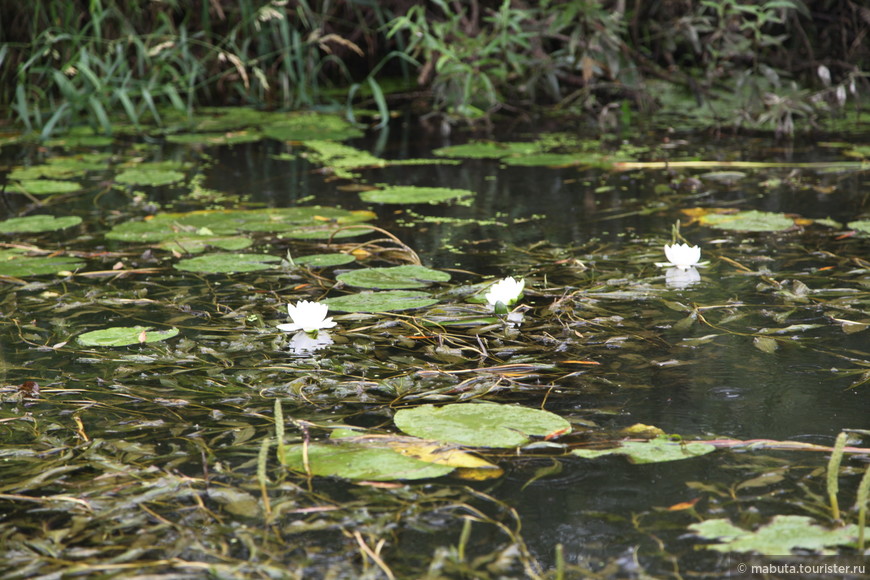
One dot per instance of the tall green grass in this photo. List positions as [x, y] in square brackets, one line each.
[105, 62]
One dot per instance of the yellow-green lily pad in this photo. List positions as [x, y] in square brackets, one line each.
[124, 336]
[405, 194]
[480, 424]
[748, 221]
[488, 149]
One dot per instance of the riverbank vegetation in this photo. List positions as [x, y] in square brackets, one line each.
[779, 65]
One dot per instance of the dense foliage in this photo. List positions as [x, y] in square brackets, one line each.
[759, 63]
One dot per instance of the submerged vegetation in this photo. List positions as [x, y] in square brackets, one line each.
[196, 383]
[773, 64]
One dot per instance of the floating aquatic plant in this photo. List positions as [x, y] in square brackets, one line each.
[682, 256]
[307, 316]
[505, 292]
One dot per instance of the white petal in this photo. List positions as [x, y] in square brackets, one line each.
[506, 291]
[683, 255]
[309, 316]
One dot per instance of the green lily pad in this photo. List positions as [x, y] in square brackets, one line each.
[196, 245]
[61, 167]
[862, 226]
[228, 263]
[295, 222]
[38, 223]
[727, 177]
[748, 221]
[488, 150]
[81, 137]
[226, 119]
[656, 450]
[339, 156]
[124, 336]
[15, 263]
[324, 260]
[479, 424]
[411, 194]
[45, 186]
[393, 277]
[386, 301]
[227, 138]
[355, 461]
[321, 232]
[551, 160]
[308, 126]
[783, 534]
[146, 176]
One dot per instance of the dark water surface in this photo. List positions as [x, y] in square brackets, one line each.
[725, 388]
[701, 381]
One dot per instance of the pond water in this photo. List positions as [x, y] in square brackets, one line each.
[153, 457]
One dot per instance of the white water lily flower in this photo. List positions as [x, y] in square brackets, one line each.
[307, 316]
[683, 255]
[506, 291]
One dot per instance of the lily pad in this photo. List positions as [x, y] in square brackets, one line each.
[385, 301]
[393, 277]
[61, 167]
[295, 222]
[658, 450]
[339, 156]
[411, 194]
[307, 126]
[45, 186]
[480, 424]
[748, 221]
[236, 119]
[125, 336]
[862, 226]
[324, 260]
[15, 263]
[783, 534]
[551, 160]
[146, 176]
[488, 150]
[227, 138]
[38, 223]
[196, 245]
[351, 460]
[228, 263]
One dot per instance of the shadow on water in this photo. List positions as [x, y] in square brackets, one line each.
[684, 359]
